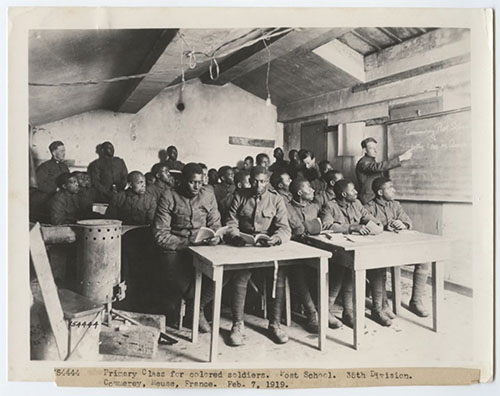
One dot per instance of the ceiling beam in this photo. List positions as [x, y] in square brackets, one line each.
[247, 60]
[391, 35]
[368, 41]
[434, 46]
[158, 48]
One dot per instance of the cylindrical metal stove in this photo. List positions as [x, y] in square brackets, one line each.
[98, 258]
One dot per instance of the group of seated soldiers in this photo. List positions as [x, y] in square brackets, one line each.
[176, 200]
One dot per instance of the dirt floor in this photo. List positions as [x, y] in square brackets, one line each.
[410, 341]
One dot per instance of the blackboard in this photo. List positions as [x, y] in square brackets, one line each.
[441, 166]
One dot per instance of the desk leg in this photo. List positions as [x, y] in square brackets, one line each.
[217, 278]
[396, 289]
[323, 301]
[437, 293]
[196, 308]
[359, 279]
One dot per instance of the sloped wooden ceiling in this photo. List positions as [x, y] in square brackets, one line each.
[296, 72]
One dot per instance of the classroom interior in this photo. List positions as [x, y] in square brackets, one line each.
[320, 89]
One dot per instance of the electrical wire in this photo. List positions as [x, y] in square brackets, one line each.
[268, 69]
[193, 60]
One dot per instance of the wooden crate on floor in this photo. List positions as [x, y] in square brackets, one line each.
[126, 339]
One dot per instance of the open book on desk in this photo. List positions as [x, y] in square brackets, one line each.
[207, 233]
[254, 239]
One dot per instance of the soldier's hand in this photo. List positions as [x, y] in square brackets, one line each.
[406, 155]
[273, 241]
[237, 241]
[212, 241]
[398, 225]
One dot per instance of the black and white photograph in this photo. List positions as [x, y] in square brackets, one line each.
[256, 196]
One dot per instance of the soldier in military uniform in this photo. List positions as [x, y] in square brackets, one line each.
[280, 180]
[224, 190]
[108, 173]
[280, 165]
[163, 180]
[346, 215]
[300, 210]
[64, 206]
[393, 217]
[255, 211]
[320, 183]
[327, 195]
[180, 213]
[368, 169]
[87, 195]
[133, 206]
[46, 175]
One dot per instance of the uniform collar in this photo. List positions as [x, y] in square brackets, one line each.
[330, 194]
[342, 203]
[298, 204]
[381, 201]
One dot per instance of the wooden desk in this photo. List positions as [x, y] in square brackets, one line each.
[387, 249]
[214, 260]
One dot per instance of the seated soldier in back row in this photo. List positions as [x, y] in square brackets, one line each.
[224, 190]
[64, 206]
[163, 180]
[347, 215]
[133, 206]
[393, 217]
[255, 211]
[327, 195]
[280, 180]
[87, 195]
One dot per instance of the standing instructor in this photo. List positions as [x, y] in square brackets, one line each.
[368, 169]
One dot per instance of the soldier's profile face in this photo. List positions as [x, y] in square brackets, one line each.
[307, 191]
[164, 175]
[350, 193]
[259, 183]
[388, 191]
[371, 149]
[194, 184]
[285, 181]
[59, 153]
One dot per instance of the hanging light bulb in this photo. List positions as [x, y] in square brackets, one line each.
[268, 101]
[180, 103]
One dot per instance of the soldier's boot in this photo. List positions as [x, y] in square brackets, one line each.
[419, 281]
[387, 308]
[347, 294]
[378, 290]
[336, 280]
[276, 333]
[239, 284]
[236, 335]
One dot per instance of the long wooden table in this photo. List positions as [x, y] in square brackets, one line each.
[388, 249]
[214, 260]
